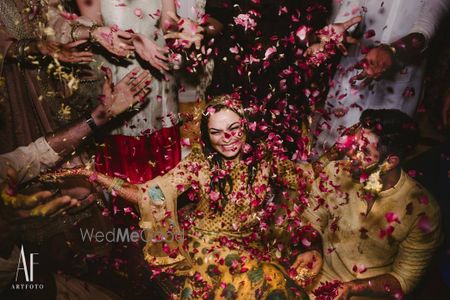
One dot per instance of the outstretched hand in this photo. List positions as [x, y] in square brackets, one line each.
[336, 32]
[67, 53]
[150, 52]
[307, 266]
[118, 98]
[189, 32]
[376, 63]
[16, 206]
[115, 41]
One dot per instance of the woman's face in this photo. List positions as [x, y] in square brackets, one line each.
[226, 133]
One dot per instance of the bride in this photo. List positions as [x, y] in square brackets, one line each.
[217, 246]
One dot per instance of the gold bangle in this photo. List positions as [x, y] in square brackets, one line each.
[391, 48]
[91, 38]
[73, 34]
[116, 184]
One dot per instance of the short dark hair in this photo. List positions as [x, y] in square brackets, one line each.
[397, 132]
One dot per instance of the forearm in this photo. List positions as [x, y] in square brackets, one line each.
[125, 190]
[66, 141]
[91, 10]
[63, 26]
[167, 9]
[408, 47]
[22, 49]
[380, 286]
[213, 27]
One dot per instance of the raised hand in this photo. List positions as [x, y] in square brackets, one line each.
[376, 63]
[116, 41]
[150, 52]
[123, 96]
[337, 34]
[65, 52]
[127, 92]
[189, 32]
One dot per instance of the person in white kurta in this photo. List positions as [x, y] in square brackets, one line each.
[384, 22]
[141, 16]
[147, 144]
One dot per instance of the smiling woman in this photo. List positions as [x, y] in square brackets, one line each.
[223, 255]
[225, 133]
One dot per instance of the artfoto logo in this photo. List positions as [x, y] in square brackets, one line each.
[27, 268]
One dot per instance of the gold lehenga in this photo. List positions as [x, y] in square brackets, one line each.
[216, 258]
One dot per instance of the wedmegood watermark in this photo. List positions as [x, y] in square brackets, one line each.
[126, 235]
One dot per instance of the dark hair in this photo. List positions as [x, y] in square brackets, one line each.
[215, 159]
[397, 132]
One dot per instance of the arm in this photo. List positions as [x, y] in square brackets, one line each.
[31, 50]
[410, 264]
[46, 152]
[170, 185]
[219, 14]
[168, 11]
[88, 27]
[130, 192]
[28, 161]
[314, 218]
[91, 10]
[379, 286]
[127, 92]
[432, 13]
[416, 251]
[213, 26]
[189, 31]
[62, 25]
[413, 44]
[385, 57]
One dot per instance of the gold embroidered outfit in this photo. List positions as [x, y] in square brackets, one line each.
[227, 268]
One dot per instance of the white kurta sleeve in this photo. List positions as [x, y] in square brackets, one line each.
[432, 13]
[29, 161]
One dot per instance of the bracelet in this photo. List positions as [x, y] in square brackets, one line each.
[73, 34]
[91, 122]
[116, 184]
[391, 48]
[397, 63]
[91, 38]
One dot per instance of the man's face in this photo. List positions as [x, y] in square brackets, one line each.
[226, 133]
[364, 153]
